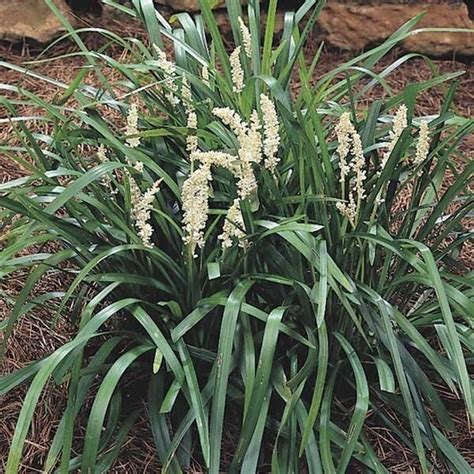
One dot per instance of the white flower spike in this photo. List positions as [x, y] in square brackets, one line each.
[233, 227]
[141, 210]
[423, 144]
[237, 71]
[132, 126]
[246, 38]
[271, 134]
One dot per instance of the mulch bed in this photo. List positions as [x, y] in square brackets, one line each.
[34, 337]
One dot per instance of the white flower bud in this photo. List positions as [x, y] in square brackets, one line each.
[400, 122]
[169, 71]
[423, 144]
[343, 132]
[132, 126]
[205, 76]
[271, 134]
[141, 210]
[246, 38]
[233, 226]
[347, 134]
[237, 71]
[195, 202]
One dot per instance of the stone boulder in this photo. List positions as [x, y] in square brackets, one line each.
[31, 19]
[356, 25]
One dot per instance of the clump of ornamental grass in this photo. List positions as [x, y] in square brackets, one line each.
[235, 248]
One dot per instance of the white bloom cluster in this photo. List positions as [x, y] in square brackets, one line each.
[358, 165]
[347, 135]
[400, 122]
[169, 70]
[138, 165]
[102, 158]
[250, 147]
[216, 158]
[254, 138]
[102, 154]
[205, 76]
[348, 209]
[167, 66]
[270, 132]
[237, 71]
[191, 139]
[132, 126]
[196, 189]
[233, 226]
[246, 38]
[132, 129]
[232, 119]
[186, 93]
[195, 197]
[423, 144]
[344, 130]
[141, 210]
[247, 183]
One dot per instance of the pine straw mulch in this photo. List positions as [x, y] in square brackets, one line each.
[34, 337]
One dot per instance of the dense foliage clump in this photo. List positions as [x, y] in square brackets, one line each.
[281, 261]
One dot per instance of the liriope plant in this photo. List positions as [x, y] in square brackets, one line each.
[282, 260]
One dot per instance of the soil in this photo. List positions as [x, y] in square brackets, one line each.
[35, 337]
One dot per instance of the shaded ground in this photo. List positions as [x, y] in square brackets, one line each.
[34, 337]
